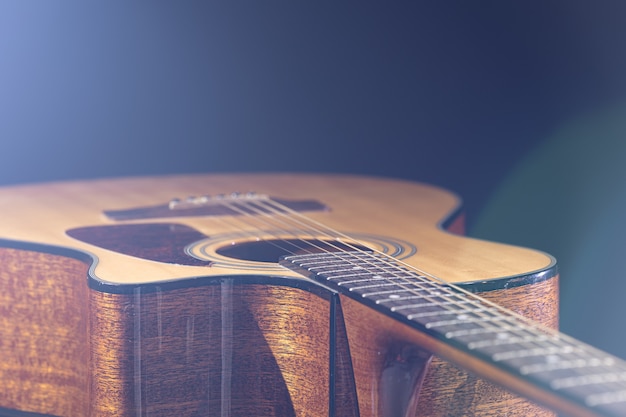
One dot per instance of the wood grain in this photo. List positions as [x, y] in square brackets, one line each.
[221, 348]
[451, 391]
[447, 390]
[287, 330]
[44, 353]
[162, 351]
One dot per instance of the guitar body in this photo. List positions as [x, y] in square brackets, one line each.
[118, 302]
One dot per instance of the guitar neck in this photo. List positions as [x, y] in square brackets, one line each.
[517, 353]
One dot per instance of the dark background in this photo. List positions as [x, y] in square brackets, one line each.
[517, 106]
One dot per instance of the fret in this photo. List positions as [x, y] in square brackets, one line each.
[387, 273]
[327, 257]
[379, 296]
[501, 337]
[540, 351]
[459, 334]
[538, 356]
[399, 286]
[606, 398]
[395, 294]
[566, 368]
[582, 380]
[400, 283]
[326, 266]
[467, 319]
[367, 276]
[423, 288]
[370, 276]
[502, 341]
[457, 314]
[577, 363]
[400, 304]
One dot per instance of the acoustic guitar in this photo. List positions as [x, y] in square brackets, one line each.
[278, 295]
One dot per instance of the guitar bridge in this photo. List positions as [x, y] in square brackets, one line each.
[235, 204]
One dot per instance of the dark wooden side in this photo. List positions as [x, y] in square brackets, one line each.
[450, 391]
[225, 348]
[68, 350]
[447, 390]
[44, 350]
[251, 348]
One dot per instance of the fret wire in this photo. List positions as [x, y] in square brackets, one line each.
[606, 398]
[371, 278]
[527, 339]
[564, 364]
[370, 294]
[410, 297]
[413, 316]
[431, 304]
[593, 379]
[374, 278]
[418, 305]
[505, 341]
[328, 264]
[467, 332]
[520, 353]
[354, 268]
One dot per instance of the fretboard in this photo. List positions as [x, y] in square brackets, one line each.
[567, 368]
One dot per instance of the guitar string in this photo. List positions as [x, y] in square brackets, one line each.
[484, 311]
[245, 232]
[530, 325]
[519, 326]
[539, 334]
[514, 327]
[517, 320]
[457, 299]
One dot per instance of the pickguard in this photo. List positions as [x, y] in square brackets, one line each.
[180, 244]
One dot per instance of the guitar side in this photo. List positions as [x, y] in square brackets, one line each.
[247, 342]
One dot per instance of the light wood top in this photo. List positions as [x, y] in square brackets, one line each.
[399, 210]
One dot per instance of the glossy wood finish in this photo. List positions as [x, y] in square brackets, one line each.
[149, 338]
[404, 211]
[447, 389]
[67, 350]
[218, 349]
[450, 390]
[165, 352]
[44, 320]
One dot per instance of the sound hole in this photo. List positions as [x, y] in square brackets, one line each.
[273, 250]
